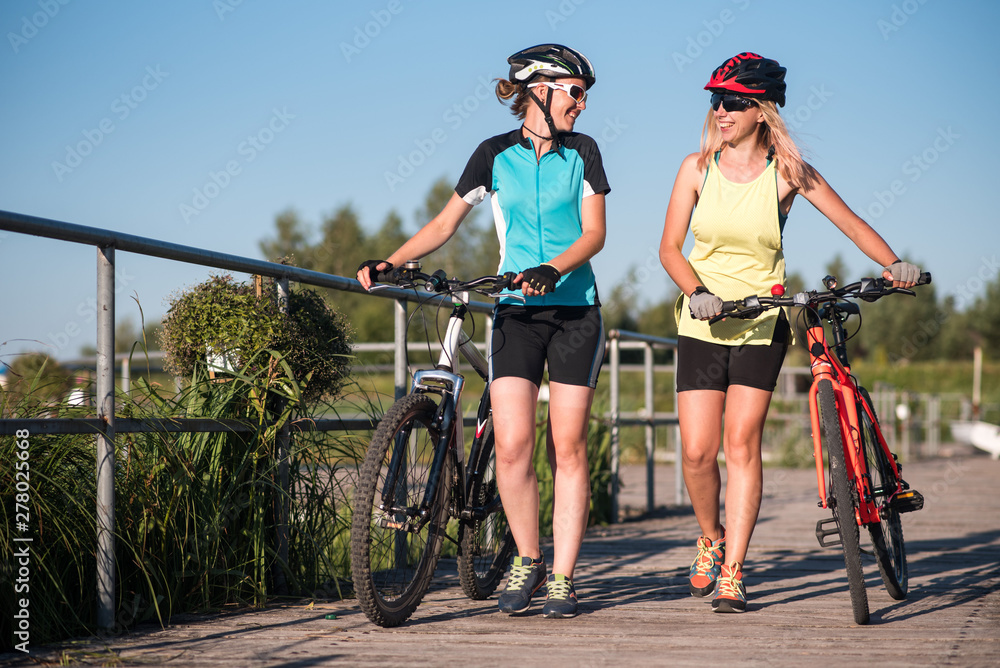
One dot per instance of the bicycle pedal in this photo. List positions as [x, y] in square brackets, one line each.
[822, 533]
[907, 501]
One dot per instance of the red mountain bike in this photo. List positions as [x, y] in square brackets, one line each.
[865, 488]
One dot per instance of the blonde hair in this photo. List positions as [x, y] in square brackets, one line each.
[772, 134]
[519, 91]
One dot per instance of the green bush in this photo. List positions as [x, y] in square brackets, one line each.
[35, 379]
[226, 318]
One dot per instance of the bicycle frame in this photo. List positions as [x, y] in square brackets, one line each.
[443, 381]
[833, 366]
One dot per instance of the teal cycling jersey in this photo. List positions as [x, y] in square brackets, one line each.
[538, 205]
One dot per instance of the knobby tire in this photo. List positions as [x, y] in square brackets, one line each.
[843, 500]
[391, 566]
[485, 544]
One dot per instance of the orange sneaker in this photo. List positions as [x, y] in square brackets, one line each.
[731, 596]
[706, 566]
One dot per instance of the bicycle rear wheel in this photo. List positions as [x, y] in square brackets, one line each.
[485, 541]
[886, 534]
[394, 550]
[842, 499]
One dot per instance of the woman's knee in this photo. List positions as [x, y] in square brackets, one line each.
[742, 452]
[700, 458]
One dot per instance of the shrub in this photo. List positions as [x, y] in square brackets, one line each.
[34, 379]
[223, 317]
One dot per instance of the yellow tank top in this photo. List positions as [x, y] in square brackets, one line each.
[737, 252]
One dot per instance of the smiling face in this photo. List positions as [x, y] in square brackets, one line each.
[564, 109]
[737, 125]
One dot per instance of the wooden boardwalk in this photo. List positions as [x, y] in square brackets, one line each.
[635, 609]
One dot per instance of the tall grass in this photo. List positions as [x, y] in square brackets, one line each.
[195, 513]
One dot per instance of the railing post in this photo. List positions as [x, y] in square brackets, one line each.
[615, 427]
[126, 376]
[650, 431]
[105, 401]
[284, 447]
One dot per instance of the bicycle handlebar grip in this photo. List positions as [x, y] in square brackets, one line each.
[925, 278]
[506, 281]
[728, 306]
[390, 276]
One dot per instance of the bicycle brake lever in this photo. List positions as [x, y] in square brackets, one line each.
[514, 295]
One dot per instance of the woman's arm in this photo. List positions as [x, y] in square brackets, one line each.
[591, 241]
[828, 202]
[431, 236]
[683, 198]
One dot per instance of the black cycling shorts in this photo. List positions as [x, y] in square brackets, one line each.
[702, 365]
[569, 338]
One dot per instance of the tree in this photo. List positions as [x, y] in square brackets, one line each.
[291, 238]
[985, 315]
[901, 328]
[342, 246]
[621, 308]
[838, 269]
[958, 338]
[389, 237]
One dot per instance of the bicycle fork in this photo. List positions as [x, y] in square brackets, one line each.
[447, 421]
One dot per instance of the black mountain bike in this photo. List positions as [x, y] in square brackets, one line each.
[414, 478]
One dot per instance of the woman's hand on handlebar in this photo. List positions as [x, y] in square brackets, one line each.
[537, 281]
[703, 304]
[902, 274]
[369, 270]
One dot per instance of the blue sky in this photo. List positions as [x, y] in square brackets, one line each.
[197, 121]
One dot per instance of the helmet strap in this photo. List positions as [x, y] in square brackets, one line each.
[535, 133]
[546, 111]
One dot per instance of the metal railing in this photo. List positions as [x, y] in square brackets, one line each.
[619, 340]
[105, 426]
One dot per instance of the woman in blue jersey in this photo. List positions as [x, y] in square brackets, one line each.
[735, 195]
[547, 186]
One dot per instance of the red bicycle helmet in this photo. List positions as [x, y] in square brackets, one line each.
[752, 76]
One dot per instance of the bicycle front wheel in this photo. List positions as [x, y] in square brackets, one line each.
[842, 499]
[485, 541]
[887, 533]
[395, 543]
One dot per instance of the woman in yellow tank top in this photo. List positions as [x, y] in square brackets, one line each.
[734, 195]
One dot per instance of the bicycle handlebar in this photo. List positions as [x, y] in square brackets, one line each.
[439, 282]
[867, 289]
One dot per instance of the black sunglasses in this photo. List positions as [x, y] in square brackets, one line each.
[731, 102]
